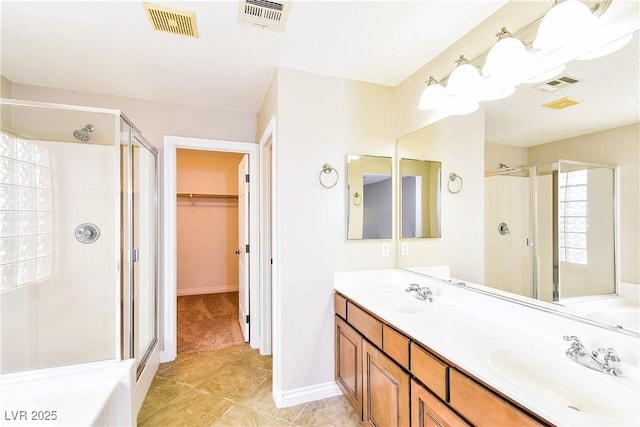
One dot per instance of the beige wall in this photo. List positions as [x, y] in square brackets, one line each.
[494, 154]
[616, 147]
[457, 142]
[207, 228]
[6, 87]
[320, 120]
[155, 119]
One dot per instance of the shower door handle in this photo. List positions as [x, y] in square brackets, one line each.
[135, 255]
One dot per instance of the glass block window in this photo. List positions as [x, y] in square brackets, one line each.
[26, 212]
[573, 222]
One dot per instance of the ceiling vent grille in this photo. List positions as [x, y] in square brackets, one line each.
[561, 103]
[559, 83]
[172, 20]
[265, 14]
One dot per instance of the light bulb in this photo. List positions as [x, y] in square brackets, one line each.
[565, 23]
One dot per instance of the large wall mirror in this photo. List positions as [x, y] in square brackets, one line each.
[369, 197]
[420, 183]
[559, 202]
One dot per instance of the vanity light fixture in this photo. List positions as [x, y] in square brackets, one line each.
[507, 56]
[565, 23]
[434, 96]
[569, 30]
[465, 87]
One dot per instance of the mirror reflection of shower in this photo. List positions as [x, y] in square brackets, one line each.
[83, 135]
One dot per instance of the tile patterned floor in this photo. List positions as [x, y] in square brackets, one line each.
[230, 387]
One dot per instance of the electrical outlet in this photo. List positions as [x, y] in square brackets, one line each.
[385, 249]
[404, 249]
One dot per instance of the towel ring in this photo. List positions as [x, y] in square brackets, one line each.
[357, 199]
[328, 171]
[455, 183]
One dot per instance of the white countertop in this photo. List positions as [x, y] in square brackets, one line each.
[467, 328]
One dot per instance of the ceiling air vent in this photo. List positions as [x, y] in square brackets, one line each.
[559, 83]
[268, 15]
[172, 20]
[561, 103]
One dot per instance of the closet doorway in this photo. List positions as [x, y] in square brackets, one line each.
[211, 226]
[203, 227]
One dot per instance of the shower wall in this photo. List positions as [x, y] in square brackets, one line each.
[507, 257]
[66, 313]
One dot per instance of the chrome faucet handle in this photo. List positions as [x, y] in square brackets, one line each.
[426, 294]
[575, 341]
[413, 287]
[610, 356]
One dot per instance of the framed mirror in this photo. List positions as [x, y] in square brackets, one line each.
[369, 197]
[420, 186]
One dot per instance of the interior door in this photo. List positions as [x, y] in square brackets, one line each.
[243, 246]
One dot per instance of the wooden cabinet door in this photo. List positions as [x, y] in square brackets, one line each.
[428, 411]
[385, 390]
[348, 369]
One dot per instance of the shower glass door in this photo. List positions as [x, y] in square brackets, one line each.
[144, 226]
[509, 231]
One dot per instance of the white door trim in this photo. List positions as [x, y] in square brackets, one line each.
[268, 235]
[169, 295]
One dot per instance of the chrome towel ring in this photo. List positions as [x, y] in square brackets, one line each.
[455, 183]
[326, 176]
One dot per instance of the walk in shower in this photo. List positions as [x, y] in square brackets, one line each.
[550, 230]
[78, 238]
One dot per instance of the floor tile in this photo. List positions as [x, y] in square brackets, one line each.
[193, 368]
[241, 417]
[161, 392]
[334, 411]
[194, 408]
[262, 401]
[234, 382]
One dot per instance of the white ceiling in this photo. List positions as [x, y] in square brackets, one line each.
[109, 47]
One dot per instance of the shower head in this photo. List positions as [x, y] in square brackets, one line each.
[83, 134]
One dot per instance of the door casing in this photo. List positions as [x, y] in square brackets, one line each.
[169, 238]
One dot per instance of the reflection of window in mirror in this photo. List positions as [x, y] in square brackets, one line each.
[420, 193]
[369, 197]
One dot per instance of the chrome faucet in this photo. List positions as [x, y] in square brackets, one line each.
[604, 360]
[422, 293]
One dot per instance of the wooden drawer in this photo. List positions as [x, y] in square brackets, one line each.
[481, 406]
[428, 410]
[430, 371]
[340, 304]
[365, 323]
[396, 346]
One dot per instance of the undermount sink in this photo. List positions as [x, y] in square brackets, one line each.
[596, 398]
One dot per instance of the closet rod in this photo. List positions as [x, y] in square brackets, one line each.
[207, 196]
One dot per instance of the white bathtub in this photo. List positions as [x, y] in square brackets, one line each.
[87, 394]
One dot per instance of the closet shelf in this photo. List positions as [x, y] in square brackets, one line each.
[207, 196]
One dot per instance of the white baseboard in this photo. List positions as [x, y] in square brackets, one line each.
[207, 290]
[305, 394]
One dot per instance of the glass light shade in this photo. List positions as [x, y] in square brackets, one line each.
[496, 94]
[433, 97]
[461, 105]
[546, 75]
[507, 56]
[464, 80]
[564, 23]
[607, 49]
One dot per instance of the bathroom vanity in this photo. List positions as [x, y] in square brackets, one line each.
[400, 360]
